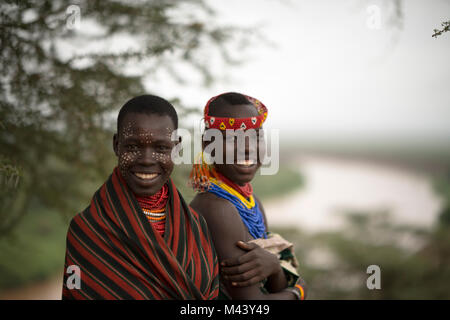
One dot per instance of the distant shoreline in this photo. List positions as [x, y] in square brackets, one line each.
[337, 184]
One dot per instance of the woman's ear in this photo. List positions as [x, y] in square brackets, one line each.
[204, 143]
[116, 144]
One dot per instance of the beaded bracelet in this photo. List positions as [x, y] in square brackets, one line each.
[302, 291]
[298, 291]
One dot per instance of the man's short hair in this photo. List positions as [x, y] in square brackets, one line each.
[148, 104]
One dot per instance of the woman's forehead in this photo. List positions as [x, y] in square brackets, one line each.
[146, 124]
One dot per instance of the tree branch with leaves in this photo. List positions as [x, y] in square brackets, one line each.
[60, 87]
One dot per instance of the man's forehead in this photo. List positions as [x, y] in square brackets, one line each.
[137, 124]
[135, 128]
[141, 129]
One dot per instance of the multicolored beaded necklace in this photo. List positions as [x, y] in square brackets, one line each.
[248, 208]
[154, 208]
[204, 178]
[246, 190]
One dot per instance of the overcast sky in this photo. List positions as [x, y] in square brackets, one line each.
[331, 72]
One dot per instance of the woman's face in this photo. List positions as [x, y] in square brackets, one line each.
[143, 146]
[240, 170]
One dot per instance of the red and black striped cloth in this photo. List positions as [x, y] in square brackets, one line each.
[121, 256]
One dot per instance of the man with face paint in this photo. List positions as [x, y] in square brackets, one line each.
[255, 264]
[138, 239]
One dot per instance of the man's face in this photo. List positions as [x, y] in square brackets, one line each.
[143, 147]
[240, 172]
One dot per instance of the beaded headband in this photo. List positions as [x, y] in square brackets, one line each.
[224, 123]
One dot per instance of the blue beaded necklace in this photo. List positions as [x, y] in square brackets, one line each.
[251, 217]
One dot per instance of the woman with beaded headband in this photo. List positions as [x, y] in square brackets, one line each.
[138, 239]
[255, 264]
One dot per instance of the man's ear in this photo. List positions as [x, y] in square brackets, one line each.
[116, 144]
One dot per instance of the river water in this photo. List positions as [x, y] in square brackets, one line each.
[334, 184]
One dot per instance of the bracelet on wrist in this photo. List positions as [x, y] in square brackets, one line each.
[298, 291]
[301, 291]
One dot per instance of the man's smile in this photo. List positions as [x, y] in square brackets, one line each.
[147, 177]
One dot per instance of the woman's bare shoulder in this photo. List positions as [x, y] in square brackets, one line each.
[208, 203]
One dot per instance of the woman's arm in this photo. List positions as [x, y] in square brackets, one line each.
[226, 229]
[255, 265]
[277, 280]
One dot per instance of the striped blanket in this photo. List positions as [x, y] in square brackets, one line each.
[120, 256]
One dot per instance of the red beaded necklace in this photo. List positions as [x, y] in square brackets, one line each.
[246, 190]
[154, 207]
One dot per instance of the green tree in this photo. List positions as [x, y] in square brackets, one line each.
[61, 85]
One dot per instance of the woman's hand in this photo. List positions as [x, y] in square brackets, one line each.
[252, 267]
